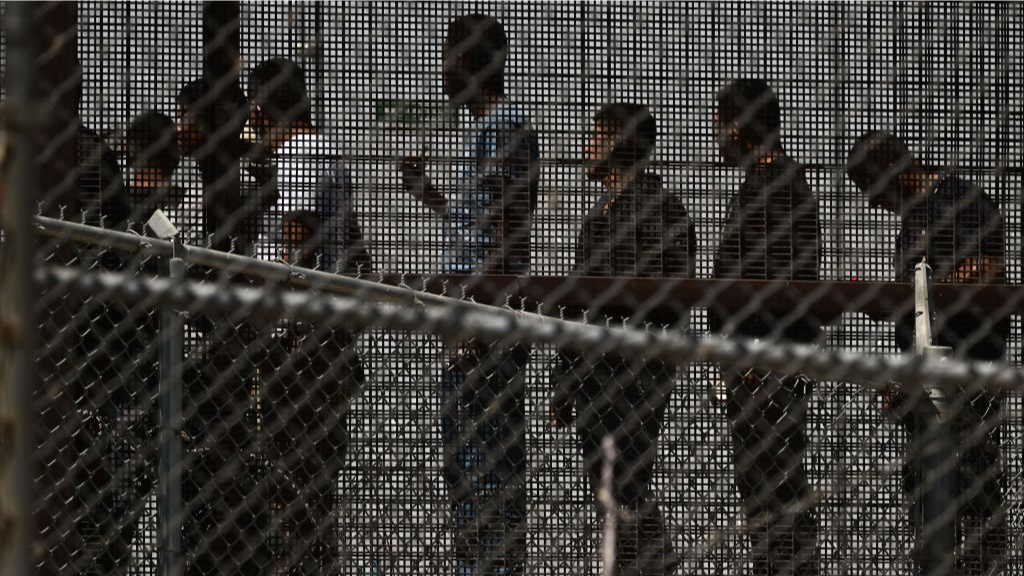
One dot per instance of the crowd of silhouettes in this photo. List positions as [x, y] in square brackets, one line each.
[284, 456]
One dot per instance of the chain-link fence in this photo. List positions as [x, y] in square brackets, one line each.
[516, 288]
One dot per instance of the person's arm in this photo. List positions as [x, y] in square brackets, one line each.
[563, 385]
[297, 238]
[359, 259]
[984, 270]
[805, 234]
[583, 265]
[561, 375]
[508, 178]
[680, 245]
[418, 184]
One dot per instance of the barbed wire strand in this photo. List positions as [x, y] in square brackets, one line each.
[459, 319]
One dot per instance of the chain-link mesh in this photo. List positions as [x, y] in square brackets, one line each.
[741, 193]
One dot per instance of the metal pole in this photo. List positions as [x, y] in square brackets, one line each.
[17, 330]
[169, 504]
[492, 322]
[939, 458]
[223, 208]
[611, 511]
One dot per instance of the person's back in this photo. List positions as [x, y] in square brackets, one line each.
[771, 232]
[488, 227]
[956, 224]
[958, 231]
[100, 182]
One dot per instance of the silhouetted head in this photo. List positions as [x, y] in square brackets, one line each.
[473, 59]
[278, 89]
[195, 103]
[151, 144]
[624, 135]
[748, 121]
[879, 164]
[190, 133]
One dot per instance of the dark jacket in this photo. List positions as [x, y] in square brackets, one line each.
[954, 223]
[771, 232]
[643, 232]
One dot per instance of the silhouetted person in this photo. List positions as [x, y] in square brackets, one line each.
[958, 229]
[106, 382]
[312, 372]
[131, 381]
[117, 346]
[637, 229]
[152, 155]
[221, 488]
[770, 233]
[487, 216]
[210, 121]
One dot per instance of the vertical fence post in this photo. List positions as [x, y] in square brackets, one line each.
[223, 209]
[18, 193]
[611, 509]
[939, 456]
[169, 504]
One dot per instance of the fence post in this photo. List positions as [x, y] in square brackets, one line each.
[939, 450]
[606, 498]
[171, 338]
[18, 192]
[224, 212]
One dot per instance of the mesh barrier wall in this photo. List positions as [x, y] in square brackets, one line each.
[312, 450]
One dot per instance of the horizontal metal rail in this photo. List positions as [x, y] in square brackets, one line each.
[666, 297]
[461, 319]
[230, 263]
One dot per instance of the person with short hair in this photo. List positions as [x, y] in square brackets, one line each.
[221, 429]
[310, 373]
[308, 173]
[302, 237]
[129, 459]
[117, 386]
[955, 227]
[637, 230]
[196, 102]
[487, 231]
[152, 154]
[771, 232]
[225, 218]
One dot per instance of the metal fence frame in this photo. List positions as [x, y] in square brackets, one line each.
[368, 303]
[430, 310]
[17, 325]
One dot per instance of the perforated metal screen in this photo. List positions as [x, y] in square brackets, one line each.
[946, 77]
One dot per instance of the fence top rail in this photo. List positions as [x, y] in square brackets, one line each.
[667, 297]
[460, 319]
